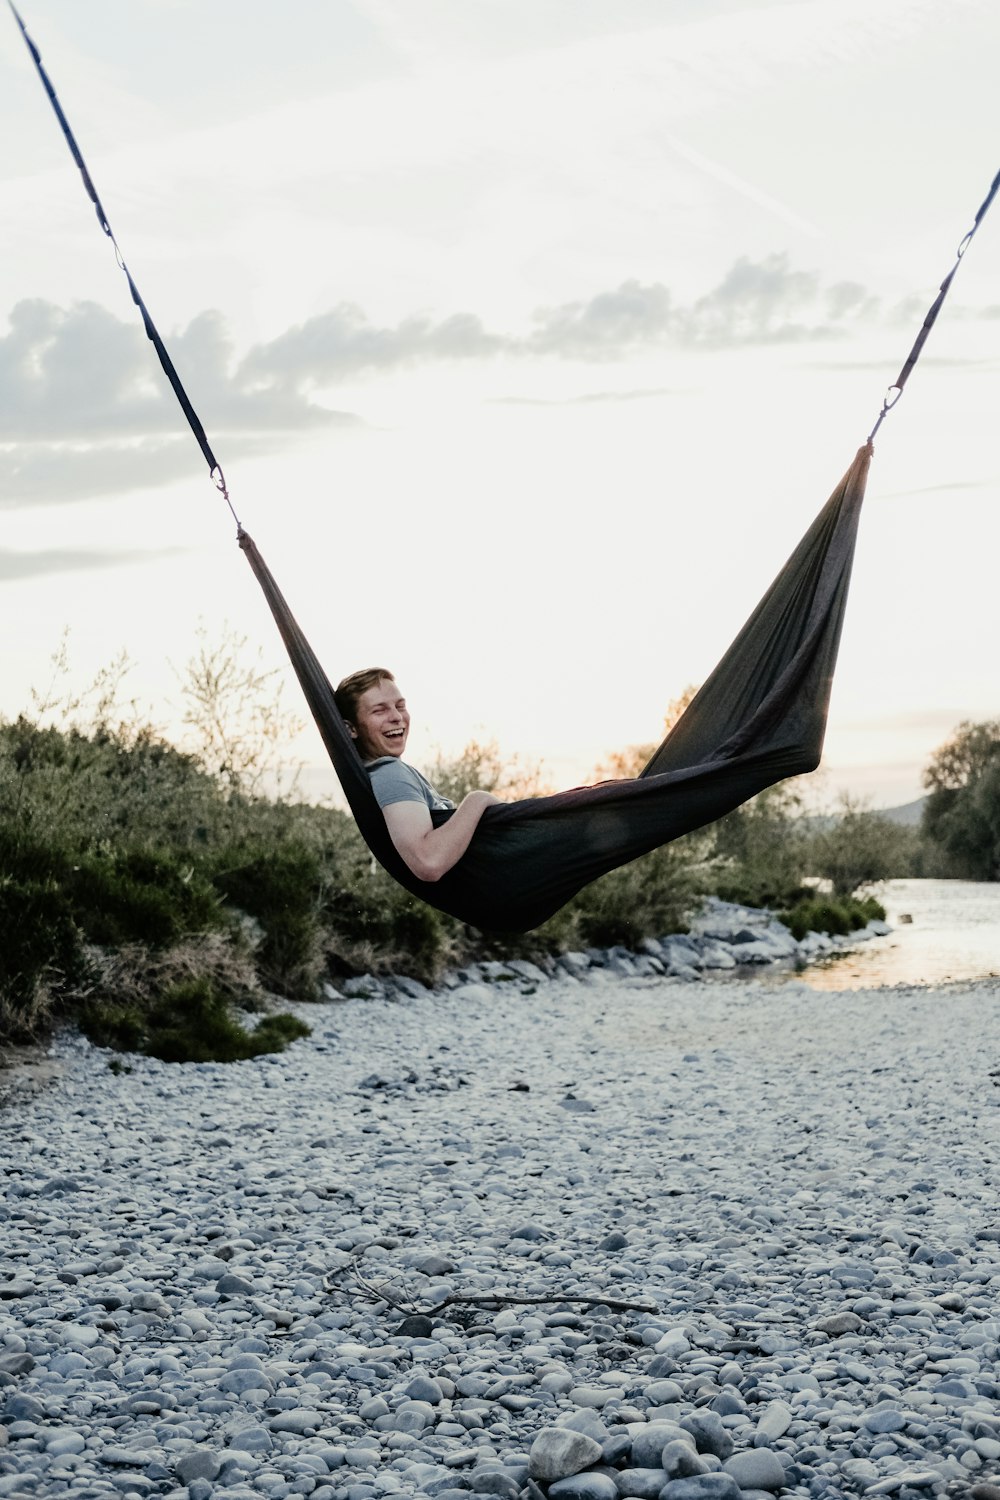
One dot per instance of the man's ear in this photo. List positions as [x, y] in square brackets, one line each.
[351, 729]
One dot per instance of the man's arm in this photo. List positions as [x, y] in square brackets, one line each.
[428, 851]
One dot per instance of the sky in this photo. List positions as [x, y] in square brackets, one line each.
[530, 337]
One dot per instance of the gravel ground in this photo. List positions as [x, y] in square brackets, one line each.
[750, 1233]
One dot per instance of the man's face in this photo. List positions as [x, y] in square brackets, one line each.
[381, 721]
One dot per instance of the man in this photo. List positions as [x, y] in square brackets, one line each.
[376, 716]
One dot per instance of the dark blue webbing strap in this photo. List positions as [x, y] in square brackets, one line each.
[194, 421]
[896, 389]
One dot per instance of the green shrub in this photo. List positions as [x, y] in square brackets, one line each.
[282, 888]
[833, 915]
[373, 924]
[40, 949]
[647, 898]
[190, 1022]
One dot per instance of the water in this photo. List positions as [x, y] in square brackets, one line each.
[954, 934]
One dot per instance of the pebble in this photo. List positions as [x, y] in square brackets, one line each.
[195, 1311]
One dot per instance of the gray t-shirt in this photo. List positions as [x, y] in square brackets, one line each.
[394, 781]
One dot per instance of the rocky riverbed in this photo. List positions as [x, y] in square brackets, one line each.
[740, 1241]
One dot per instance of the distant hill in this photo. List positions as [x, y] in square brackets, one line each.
[909, 814]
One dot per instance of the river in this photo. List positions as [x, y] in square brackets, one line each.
[953, 933]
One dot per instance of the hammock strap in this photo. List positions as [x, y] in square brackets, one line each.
[894, 392]
[194, 421]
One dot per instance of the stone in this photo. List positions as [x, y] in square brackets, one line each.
[701, 1487]
[62, 1440]
[415, 1327]
[649, 1442]
[494, 1482]
[642, 1484]
[20, 1408]
[884, 1419]
[679, 1459]
[197, 1463]
[773, 1422]
[584, 1487]
[756, 1469]
[559, 1451]
[151, 1302]
[300, 1419]
[232, 1285]
[425, 1388]
[840, 1323]
[435, 1265]
[708, 1432]
[252, 1440]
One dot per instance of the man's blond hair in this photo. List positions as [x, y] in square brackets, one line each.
[353, 688]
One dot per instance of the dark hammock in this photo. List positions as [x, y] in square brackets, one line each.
[759, 718]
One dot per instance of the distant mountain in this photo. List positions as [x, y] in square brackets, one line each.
[909, 814]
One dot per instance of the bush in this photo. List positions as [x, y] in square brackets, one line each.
[648, 898]
[830, 915]
[40, 950]
[283, 889]
[374, 925]
[189, 1022]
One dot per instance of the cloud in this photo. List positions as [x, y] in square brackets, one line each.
[757, 302]
[85, 411]
[47, 473]
[343, 343]
[82, 373]
[17, 565]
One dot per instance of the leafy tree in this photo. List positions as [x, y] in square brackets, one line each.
[760, 849]
[482, 767]
[236, 718]
[860, 847]
[625, 765]
[962, 811]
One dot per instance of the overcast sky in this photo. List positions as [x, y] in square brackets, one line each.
[531, 334]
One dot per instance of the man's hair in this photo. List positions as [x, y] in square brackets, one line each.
[354, 687]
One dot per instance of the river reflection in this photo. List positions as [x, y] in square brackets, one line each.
[954, 933]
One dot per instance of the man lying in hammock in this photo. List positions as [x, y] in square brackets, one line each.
[375, 712]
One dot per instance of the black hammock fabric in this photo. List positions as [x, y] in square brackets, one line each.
[758, 719]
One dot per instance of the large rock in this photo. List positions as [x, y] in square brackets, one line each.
[559, 1451]
[702, 1487]
[584, 1487]
[756, 1469]
[197, 1463]
[648, 1443]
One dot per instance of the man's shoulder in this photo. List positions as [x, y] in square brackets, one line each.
[394, 781]
[390, 763]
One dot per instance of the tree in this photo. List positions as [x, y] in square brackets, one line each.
[625, 765]
[481, 767]
[239, 726]
[760, 848]
[859, 847]
[962, 811]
